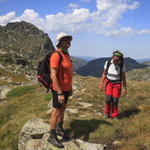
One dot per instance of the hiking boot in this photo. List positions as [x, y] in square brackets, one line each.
[106, 116]
[55, 142]
[62, 133]
[115, 118]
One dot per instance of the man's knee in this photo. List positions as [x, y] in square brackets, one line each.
[56, 112]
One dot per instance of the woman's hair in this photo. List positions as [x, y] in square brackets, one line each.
[118, 53]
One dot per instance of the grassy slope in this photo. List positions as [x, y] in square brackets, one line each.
[132, 130]
[17, 111]
[139, 74]
[13, 77]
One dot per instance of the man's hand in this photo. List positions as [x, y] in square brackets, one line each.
[61, 99]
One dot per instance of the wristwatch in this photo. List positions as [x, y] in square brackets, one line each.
[59, 94]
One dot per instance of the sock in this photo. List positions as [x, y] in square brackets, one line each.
[53, 133]
[60, 125]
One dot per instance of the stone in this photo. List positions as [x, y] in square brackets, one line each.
[116, 142]
[35, 133]
[33, 129]
[3, 91]
[71, 111]
[85, 104]
[99, 113]
[89, 146]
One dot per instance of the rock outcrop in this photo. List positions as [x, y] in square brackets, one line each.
[34, 136]
[24, 40]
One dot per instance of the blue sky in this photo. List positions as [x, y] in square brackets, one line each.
[98, 27]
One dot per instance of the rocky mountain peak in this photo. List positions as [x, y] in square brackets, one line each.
[24, 39]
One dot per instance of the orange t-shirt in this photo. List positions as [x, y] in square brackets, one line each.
[65, 72]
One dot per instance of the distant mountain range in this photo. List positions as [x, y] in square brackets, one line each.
[143, 60]
[95, 67]
[86, 58]
[78, 63]
[22, 43]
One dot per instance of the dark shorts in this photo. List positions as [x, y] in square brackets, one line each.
[56, 104]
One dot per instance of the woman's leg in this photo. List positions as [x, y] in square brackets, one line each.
[116, 96]
[108, 104]
[115, 109]
[108, 101]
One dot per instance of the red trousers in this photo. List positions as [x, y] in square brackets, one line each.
[113, 89]
[113, 92]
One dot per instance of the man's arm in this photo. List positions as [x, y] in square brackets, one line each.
[57, 85]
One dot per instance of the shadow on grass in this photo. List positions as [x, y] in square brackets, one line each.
[83, 128]
[128, 113]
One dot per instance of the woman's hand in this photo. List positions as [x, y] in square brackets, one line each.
[100, 87]
[124, 91]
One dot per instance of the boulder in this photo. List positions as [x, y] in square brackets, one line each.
[33, 129]
[35, 133]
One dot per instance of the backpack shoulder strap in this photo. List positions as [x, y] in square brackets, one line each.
[60, 56]
[121, 69]
[108, 64]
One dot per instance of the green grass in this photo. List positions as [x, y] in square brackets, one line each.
[132, 126]
[132, 130]
[14, 77]
[3, 82]
[139, 74]
[21, 107]
[19, 91]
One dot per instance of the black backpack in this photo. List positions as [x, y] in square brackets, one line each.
[121, 68]
[43, 70]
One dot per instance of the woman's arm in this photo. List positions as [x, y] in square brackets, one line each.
[124, 84]
[104, 74]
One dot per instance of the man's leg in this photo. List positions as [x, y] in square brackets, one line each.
[54, 117]
[60, 130]
[53, 121]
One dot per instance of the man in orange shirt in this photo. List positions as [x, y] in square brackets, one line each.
[61, 75]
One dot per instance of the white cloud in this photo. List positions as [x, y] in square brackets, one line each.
[109, 12]
[103, 21]
[7, 18]
[117, 32]
[144, 31]
[73, 5]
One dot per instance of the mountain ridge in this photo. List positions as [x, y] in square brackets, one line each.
[95, 67]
